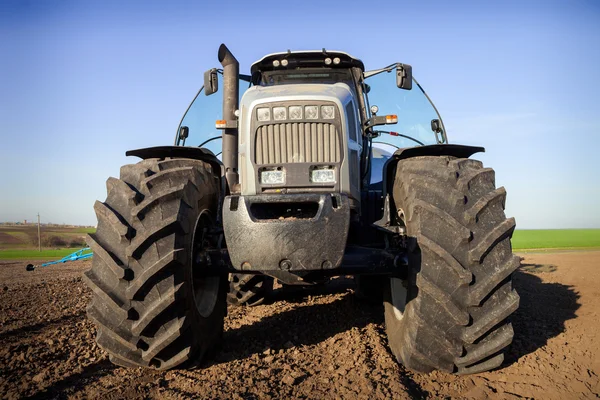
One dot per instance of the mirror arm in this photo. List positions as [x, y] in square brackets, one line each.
[389, 68]
[376, 120]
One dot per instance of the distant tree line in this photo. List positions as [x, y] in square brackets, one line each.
[58, 241]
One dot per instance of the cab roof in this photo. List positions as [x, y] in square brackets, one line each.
[306, 59]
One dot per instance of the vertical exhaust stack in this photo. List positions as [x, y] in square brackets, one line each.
[231, 71]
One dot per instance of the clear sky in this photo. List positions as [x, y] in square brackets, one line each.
[81, 82]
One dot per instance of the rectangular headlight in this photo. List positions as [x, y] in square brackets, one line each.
[272, 177]
[322, 176]
[311, 112]
[327, 112]
[263, 114]
[295, 112]
[279, 113]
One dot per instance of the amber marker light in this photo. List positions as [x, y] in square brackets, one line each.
[391, 119]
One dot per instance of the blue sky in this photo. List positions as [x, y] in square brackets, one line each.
[82, 82]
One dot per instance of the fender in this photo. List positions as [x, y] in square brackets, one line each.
[194, 153]
[434, 150]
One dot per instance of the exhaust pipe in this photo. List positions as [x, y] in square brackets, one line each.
[231, 71]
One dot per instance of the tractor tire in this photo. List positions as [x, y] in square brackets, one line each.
[249, 290]
[451, 312]
[151, 305]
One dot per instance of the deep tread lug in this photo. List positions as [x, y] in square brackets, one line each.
[250, 290]
[166, 300]
[176, 360]
[142, 241]
[485, 245]
[95, 284]
[463, 233]
[487, 365]
[484, 202]
[468, 177]
[493, 343]
[142, 279]
[113, 263]
[463, 274]
[163, 340]
[460, 316]
[502, 310]
[114, 220]
[481, 289]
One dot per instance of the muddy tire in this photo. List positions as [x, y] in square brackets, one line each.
[150, 307]
[451, 313]
[250, 290]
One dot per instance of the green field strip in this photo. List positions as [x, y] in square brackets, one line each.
[33, 254]
[568, 239]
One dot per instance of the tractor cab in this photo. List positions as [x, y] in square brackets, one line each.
[367, 97]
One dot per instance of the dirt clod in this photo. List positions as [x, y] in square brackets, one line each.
[317, 343]
[289, 380]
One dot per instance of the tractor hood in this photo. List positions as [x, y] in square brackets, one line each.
[296, 128]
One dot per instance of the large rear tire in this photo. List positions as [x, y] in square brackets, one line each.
[151, 304]
[451, 313]
[249, 290]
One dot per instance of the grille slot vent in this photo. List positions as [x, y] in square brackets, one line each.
[298, 142]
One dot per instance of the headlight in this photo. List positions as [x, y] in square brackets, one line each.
[327, 112]
[263, 114]
[295, 112]
[272, 177]
[311, 112]
[279, 113]
[324, 175]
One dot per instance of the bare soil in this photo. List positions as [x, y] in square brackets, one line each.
[317, 343]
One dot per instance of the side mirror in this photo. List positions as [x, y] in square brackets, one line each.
[404, 76]
[436, 126]
[211, 82]
[184, 132]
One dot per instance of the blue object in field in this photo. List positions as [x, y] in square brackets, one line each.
[81, 254]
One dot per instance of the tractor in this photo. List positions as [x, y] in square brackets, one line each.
[293, 173]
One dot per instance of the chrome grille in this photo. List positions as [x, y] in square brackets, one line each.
[297, 143]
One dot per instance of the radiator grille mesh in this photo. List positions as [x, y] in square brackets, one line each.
[297, 143]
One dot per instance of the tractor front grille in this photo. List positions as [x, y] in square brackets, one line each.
[297, 142]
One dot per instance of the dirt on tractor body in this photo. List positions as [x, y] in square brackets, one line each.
[306, 343]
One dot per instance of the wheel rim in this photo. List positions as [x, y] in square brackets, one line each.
[399, 295]
[204, 288]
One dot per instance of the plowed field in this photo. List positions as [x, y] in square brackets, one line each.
[318, 343]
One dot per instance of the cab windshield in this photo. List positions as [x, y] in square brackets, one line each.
[413, 108]
[415, 112]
